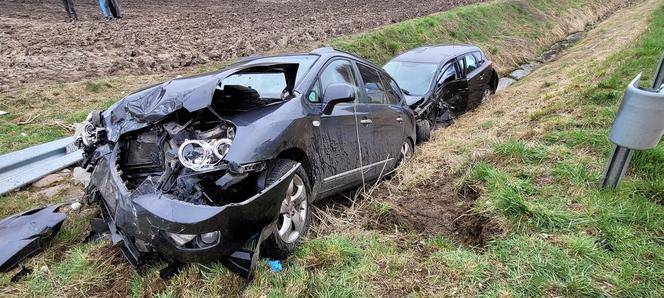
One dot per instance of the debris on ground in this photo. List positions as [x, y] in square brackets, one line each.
[275, 265]
[75, 206]
[25, 271]
[26, 233]
[48, 180]
[2, 113]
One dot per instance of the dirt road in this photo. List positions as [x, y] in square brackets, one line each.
[36, 42]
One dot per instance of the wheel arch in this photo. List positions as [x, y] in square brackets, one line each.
[299, 155]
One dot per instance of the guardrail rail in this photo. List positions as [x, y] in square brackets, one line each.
[25, 166]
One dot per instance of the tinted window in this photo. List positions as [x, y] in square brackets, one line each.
[471, 63]
[338, 71]
[479, 57]
[449, 74]
[393, 94]
[372, 84]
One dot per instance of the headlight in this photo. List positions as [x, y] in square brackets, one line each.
[203, 155]
[202, 240]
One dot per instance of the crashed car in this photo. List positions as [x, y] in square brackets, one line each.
[442, 82]
[214, 166]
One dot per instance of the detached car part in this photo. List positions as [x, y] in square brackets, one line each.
[24, 235]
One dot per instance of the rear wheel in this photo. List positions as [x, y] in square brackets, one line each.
[294, 215]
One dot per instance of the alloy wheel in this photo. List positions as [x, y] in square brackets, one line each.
[406, 152]
[293, 212]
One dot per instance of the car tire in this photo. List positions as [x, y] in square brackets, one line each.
[288, 232]
[423, 131]
[486, 93]
[406, 152]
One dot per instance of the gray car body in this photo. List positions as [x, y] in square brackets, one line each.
[281, 130]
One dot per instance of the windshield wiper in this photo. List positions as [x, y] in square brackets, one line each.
[405, 91]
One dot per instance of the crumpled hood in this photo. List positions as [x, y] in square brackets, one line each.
[152, 104]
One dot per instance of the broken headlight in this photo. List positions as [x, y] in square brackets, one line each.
[201, 155]
[202, 240]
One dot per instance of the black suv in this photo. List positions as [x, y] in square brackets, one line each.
[207, 167]
[442, 82]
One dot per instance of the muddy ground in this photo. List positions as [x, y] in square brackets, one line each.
[37, 42]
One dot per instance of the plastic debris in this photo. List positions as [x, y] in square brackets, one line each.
[75, 206]
[275, 265]
[3, 113]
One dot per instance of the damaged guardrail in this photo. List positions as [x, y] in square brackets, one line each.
[25, 166]
[639, 125]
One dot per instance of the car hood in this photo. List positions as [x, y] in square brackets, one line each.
[412, 99]
[152, 104]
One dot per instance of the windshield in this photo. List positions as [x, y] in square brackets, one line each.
[413, 77]
[272, 82]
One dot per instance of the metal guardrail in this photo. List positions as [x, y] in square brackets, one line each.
[25, 166]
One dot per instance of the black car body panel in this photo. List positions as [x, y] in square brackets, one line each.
[143, 150]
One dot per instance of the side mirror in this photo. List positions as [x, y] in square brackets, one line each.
[335, 94]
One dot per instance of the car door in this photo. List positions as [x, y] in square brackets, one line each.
[451, 88]
[336, 134]
[476, 80]
[385, 123]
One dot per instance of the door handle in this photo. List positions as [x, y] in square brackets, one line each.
[366, 121]
[399, 119]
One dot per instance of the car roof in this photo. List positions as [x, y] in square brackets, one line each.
[435, 53]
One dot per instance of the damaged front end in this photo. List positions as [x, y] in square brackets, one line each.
[167, 188]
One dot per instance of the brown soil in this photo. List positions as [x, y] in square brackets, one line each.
[155, 36]
[439, 208]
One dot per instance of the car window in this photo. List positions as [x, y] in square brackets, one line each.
[413, 77]
[372, 84]
[471, 63]
[449, 75]
[338, 71]
[479, 57]
[393, 96]
[268, 85]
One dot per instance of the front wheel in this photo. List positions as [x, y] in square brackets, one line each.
[294, 215]
[486, 93]
[423, 129]
[406, 152]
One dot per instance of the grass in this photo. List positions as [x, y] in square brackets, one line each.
[533, 26]
[561, 235]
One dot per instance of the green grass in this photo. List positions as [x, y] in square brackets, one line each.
[487, 25]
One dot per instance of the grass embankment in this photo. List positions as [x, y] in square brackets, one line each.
[511, 32]
[536, 157]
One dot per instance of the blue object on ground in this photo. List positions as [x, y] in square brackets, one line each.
[275, 265]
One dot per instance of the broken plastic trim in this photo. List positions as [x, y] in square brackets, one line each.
[24, 235]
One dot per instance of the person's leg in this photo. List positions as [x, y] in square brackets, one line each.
[66, 4]
[104, 9]
[72, 10]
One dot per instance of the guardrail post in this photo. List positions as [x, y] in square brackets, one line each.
[638, 125]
